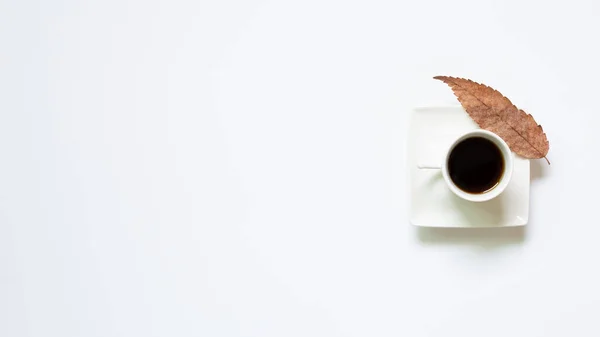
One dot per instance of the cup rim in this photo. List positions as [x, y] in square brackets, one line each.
[506, 175]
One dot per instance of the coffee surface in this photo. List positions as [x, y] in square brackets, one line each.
[476, 165]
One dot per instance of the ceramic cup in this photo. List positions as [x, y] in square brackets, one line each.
[504, 179]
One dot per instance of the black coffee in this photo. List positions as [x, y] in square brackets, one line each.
[476, 165]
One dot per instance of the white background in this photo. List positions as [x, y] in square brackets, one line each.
[237, 168]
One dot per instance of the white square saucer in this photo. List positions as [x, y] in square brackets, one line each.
[432, 131]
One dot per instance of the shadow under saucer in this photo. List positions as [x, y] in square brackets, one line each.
[487, 238]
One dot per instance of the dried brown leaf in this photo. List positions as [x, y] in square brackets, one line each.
[494, 112]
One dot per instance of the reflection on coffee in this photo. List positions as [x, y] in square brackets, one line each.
[476, 165]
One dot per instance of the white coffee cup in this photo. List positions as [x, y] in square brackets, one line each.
[504, 179]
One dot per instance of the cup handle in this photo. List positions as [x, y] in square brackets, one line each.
[430, 159]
